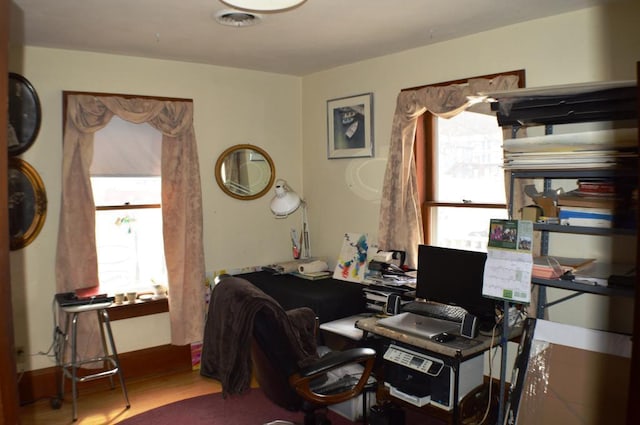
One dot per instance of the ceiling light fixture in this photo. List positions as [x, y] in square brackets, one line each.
[234, 18]
[263, 6]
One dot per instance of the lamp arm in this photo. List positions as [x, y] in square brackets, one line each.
[305, 231]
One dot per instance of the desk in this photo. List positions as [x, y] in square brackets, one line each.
[330, 299]
[454, 354]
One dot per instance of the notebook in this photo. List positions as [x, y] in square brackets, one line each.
[417, 325]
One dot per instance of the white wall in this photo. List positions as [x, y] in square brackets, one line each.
[287, 117]
[231, 106]
[590, 45]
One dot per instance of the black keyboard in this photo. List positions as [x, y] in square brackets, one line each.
[452, 313]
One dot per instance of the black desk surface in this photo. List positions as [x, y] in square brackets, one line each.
[330, 299]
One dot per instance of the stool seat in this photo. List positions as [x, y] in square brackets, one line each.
[109, 359]
[85, 307]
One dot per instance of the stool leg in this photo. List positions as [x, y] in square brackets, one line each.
[114, 353]
[106, 364]
[62, 354]
[74, 366]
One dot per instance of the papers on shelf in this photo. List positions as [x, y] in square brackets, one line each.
[597, 140]
[553, 267]
[586, 149]
[599, 273]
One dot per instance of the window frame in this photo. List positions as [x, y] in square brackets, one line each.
[126, 310]
[425, 140]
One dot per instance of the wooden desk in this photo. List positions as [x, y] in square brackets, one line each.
[330, 299]
[461, 348]
[452, 353]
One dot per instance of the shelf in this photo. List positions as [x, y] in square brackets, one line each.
[615, 172]
[582, 230]
[522, 107]
[584, 288]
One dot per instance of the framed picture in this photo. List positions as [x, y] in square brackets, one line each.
[24, 114]
[350, 126]
[27, 203]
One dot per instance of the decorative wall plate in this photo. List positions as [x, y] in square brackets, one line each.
[24, 114]
[27, 203]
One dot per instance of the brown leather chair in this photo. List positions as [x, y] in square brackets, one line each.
[282, 349]
[314, 386]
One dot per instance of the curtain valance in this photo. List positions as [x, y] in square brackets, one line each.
[400, 226]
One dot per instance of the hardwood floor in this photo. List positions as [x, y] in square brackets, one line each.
[102, 407]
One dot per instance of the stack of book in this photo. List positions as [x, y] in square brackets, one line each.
[596, 203]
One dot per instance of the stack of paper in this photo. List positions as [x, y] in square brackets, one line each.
[588, 149]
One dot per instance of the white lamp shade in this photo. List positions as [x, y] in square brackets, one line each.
[263, 5]
[286, 201]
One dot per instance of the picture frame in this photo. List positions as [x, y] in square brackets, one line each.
[350, 127]
[27, 203]
[25, 114]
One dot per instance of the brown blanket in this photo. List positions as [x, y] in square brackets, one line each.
[226, 346]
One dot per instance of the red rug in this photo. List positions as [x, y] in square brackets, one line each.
[252, 408]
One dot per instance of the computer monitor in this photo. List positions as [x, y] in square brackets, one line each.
[454, 277]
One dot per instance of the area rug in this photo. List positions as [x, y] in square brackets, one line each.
[252, 408]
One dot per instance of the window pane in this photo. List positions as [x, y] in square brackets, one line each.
[463, 228]
[469, 159]
[110, 191]
[130, 249]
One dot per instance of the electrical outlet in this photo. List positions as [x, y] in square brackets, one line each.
[20, 355]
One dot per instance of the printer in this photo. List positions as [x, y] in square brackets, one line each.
[420, 379]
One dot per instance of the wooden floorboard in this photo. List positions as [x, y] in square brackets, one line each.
[107, 406]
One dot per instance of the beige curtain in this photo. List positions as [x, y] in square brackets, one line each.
[76, 261]
[400, 225]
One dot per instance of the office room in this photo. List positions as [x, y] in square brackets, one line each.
[286, 115]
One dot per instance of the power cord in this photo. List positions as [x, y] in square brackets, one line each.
[58, 338]
[491, 359]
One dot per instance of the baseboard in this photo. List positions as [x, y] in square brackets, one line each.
[156, 361]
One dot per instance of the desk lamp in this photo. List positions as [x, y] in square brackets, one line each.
[286, 202]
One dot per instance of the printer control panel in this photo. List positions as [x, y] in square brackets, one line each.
[413, 360]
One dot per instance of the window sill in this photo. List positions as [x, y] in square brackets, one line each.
[137, 309]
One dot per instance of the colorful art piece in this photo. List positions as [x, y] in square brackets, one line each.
[352, 262]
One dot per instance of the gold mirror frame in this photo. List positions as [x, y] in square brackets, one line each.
[27, 203]
[236, 191]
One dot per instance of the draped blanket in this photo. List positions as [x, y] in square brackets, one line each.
[226, 346]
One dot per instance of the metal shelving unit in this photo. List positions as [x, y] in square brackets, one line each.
[552, 106]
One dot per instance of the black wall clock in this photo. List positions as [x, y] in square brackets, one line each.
[24, 114]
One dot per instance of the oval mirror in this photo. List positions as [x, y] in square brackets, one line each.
[245, 172]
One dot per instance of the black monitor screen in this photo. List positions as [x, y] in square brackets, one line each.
[454, 276]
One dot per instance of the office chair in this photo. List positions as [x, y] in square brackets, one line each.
[281, 352]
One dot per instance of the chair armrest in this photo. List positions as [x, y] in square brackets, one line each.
[302, 380]
[336, 359]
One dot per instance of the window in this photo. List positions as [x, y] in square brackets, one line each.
[463, 184]
[126, 184]
[467, 181]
